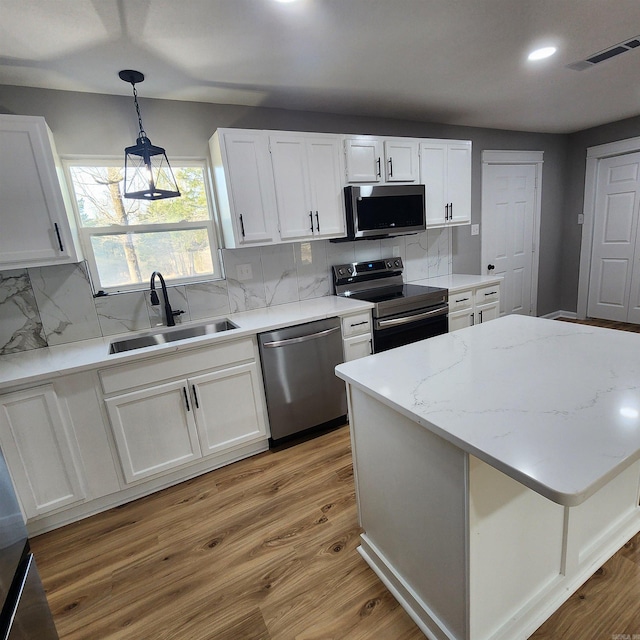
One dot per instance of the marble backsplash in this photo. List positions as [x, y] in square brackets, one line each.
[47, 306]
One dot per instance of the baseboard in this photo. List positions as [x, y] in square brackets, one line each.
[560, 314]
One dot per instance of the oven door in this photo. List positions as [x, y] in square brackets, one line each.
[405, 328]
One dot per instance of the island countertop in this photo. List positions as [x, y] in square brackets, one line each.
[554, 405]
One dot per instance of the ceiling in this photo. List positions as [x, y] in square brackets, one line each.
[449, 61]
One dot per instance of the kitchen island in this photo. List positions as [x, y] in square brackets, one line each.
[496, 469]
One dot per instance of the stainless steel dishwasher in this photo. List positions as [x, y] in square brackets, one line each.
[302, 389]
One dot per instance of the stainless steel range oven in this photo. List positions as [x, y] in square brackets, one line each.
[402, 313]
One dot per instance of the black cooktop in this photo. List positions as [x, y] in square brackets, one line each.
[398, 292]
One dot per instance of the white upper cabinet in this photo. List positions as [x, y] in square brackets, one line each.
[307, 174]
[445, 170]
[37, 223]
[244, 187]
[380, 160]
[277, 186]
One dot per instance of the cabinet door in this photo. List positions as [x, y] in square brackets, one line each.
[154, 429]
[41, 450]
[363, 160]
[357, 347]
[459, 182]
[229, 407]
[327, 195]
[433, 174]
[35, 224]
[249, 181]
[461, 319]
[290, 176]
[486, 312]
[401, 161]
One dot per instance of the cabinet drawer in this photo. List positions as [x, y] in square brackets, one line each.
[152, 370]
[356, 324]
[461, 300]
[488, 294]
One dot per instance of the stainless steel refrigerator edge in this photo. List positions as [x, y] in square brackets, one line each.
[25, 610]
[301, 387]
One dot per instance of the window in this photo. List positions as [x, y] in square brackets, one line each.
[125, 240]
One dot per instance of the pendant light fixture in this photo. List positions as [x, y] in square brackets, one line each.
[147, 172]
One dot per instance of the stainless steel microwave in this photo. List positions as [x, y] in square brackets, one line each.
[384, 210]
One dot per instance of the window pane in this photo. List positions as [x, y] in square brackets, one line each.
[99, 195]
[130, 258]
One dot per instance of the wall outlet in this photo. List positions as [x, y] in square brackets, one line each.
[244, 272]
[396, 251]
[475, 229]
[581, 218]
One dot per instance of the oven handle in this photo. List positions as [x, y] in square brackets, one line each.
[393, 322]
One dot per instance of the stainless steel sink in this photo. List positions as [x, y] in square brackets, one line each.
[170, 335]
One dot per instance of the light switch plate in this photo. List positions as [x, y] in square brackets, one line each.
[244, 272]
[475, 229]
[581, 218]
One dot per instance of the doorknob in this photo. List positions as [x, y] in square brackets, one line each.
[490, 267]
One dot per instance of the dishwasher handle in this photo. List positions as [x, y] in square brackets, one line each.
[311, 336]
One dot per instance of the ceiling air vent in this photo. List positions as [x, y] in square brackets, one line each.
[601, 56]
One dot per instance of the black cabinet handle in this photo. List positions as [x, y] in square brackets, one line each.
[357, 324]
[491, 293]
[186, 398]
[463, 299]
[311, 219]
[317, 223]
[491, 267]
[390, 167]
[55, 225]
[378, 163]
[451, 211]
[446, 211]
[195, 396]
[241, 225]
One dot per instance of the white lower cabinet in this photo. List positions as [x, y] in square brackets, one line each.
[39, 444]
[154, 429]
[168, 423]
[228, 407]
[473, 306]
[357, 340]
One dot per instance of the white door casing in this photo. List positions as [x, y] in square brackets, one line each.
[594, 156]
[615, 231]
[511, 186]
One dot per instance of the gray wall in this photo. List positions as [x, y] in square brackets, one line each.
[84, 123]
[578, 144]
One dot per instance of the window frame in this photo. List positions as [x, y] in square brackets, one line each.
[211, 224]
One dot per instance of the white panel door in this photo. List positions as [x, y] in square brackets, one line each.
[433, 175]
[459, 181]
[41, 450]
[327, 195]
[154, 429]
[250, 183]
[290, 175]
[363, 160]
[508, 209]
[229, 407]
[401, 160]
[614, 240]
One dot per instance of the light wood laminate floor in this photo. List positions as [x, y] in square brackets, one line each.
[264, 549]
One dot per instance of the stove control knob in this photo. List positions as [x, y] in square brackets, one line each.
[396, 263]
[349, 270]
[340, 272]
[389, 264]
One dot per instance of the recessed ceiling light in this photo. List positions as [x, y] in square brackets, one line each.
[540, 54]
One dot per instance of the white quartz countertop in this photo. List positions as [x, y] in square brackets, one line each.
[459, 281]
[554, 405]
[38, 365]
